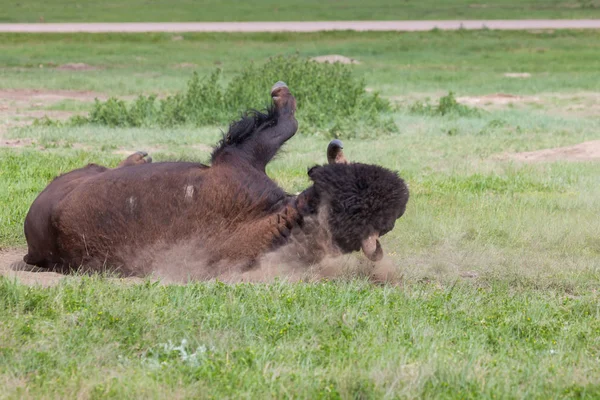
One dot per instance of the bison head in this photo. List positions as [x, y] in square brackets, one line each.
[362, 201]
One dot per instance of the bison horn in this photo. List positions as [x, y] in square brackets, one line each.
[335, 155]
[372, 248]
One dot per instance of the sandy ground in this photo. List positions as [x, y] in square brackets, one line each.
[19, 107]
[13, 267]
[586, 151]
[333, 58]
[496, 99]
[292, 26]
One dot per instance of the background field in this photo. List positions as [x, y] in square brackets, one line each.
[500, 258]
[273, 10]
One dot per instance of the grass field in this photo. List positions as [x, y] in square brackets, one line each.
[393, 63]
[310, 10]
[500, 258]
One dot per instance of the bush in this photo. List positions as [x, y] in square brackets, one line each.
[447, 105]
[330, 100]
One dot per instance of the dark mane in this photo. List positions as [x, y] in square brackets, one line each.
[241, 130]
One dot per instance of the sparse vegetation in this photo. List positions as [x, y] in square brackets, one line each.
[330, 100]
[447, 105]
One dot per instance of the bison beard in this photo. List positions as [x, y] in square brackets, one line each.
[185, 220]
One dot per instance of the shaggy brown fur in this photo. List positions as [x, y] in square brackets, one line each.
[97, 217]
[228, 213]
[361, 202]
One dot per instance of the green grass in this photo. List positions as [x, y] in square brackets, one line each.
[466, 62]
[309, 10]
[96, 339]
[500, 260]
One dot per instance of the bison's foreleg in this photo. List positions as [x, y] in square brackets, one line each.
[281, 225]
[251, 240]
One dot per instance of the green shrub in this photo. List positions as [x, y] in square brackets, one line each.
[447, 105]
[330, 100]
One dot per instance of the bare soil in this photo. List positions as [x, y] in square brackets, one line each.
[13, 267]
[16, 143]
[586, 151]
[185, 65]
[333, 58]
[517, 75]
[19, 107]
[45, 96]
[77, 67]
[19, 117]
[496, 99]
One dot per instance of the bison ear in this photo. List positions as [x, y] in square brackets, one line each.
[335, 155]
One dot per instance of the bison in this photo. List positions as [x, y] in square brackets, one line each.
[109, 219]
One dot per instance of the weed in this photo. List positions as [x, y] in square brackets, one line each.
[45, 121]
[330, 99]
[447, 105]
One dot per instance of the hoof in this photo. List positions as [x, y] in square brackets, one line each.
[136, 158]
[283, 98]
[139, 158]
[278, 85]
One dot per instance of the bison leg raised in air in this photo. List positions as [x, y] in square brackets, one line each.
[256, 138]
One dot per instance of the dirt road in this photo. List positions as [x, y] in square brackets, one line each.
[300, 26]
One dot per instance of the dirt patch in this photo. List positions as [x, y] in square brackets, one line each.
[13, 267]
[586, 151]
[20, 118]
[35, 114]
[333, 58]
[185, 65]
[77, 67]
[496, 99]
[18, 107]
[46, 96]
[579, 104]
[517, 75]
[16, 143]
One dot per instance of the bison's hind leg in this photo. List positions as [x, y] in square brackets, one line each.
[35, 259]
[136, 158]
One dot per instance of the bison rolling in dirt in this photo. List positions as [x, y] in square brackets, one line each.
[229, 213]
